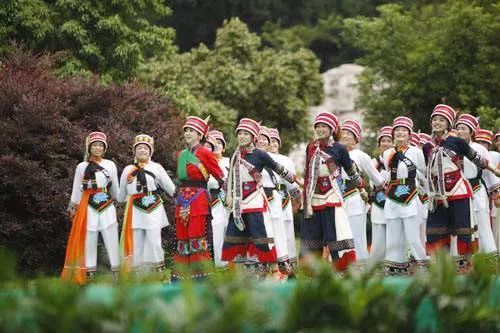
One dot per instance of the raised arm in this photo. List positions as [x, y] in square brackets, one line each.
[371, 171]
[277, 167]
[210, 162]
[344, 161]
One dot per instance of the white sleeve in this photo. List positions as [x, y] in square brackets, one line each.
[76, 192]
[385, 158]
[420, 161]
[491, 181]
[122, 194]
[212, 183]
[115, 186]
[373, 174]
[165, 182]
[420, 165]
[288, 164]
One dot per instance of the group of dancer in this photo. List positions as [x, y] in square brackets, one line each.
[423, 193]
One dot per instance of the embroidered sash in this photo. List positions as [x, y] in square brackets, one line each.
[402, 190]
[100, 200]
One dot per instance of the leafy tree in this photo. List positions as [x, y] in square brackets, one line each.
[324, 38]
[111, 38]
[197, 21]
[489, 117]
[244, 79]
[316, 24]
[425, 55]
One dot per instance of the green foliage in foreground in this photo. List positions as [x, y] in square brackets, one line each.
[438, 301]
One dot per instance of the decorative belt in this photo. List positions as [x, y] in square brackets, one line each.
[269, 190]
[475, 183]
[348, 188]
[214, 196]
[403, 181]
[193, 183]
[402, 190]
[269, 193]
[96, 190]
[99, 198]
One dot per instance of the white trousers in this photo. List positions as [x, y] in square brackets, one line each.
[486, 238]
[219, 230]
[402, 233]
[423, 233]
[280, 238]
[147, 248]
[110, 238]
[358, 228]
[290, 240]
[278, 225]
[377, 253]
[496, 226]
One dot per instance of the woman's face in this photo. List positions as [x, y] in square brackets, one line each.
[401, 135]
[323, 131]
[219, 147]
[497, 143]
[385, 143]
[274, 146]
[142, 152]
[464, 132]
[97, 149]
[191, 136]
[244, 138]
[263, 143]
[348, 139]
[209, 146]
[439, 124]
[484, 144]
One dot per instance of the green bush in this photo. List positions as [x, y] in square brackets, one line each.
[439, 301]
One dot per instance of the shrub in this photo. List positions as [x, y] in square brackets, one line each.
[43, 124]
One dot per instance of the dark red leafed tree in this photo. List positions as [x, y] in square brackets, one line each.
[43, 124]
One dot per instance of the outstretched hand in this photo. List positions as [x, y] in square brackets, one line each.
[71, 212]
[296, 204]
[228, 202]
[364, 195]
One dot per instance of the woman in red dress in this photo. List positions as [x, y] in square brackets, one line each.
[192, 212]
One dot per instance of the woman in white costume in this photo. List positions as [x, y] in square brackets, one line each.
[495, 192]
[466, 126]
[270, 185]
[92, 211]
[290, 196]
[219, 212]
[377, 253]
[422, 197]
[406, 164]
[141, 184]
[354, 199]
